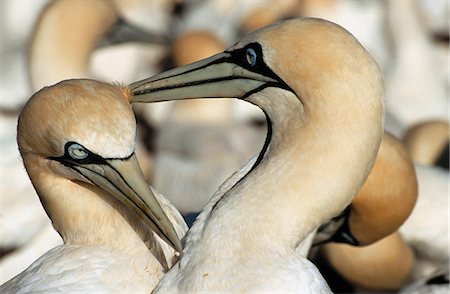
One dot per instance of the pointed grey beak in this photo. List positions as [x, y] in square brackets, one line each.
[123, 179]
[225, 75]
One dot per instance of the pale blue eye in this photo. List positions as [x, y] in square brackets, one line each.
[251, 56]
[76, 151]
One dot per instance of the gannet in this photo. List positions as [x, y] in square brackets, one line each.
[56, 53]
[322, 95]
[68, 32]
[63, 45]
[384, 265]
[382, 205]
[194, 45]
[219, 17]
[428, 141]
[265, 13]
[77, 141]
[384, 202]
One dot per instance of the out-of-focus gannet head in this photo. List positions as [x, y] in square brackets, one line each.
[194, 45]
[384, 265]
[384, 202]
[77, 141]
[387, 197]
[428, 141]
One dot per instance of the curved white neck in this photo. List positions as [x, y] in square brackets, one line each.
[313, 167]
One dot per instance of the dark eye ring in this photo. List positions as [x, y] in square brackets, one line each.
[251, 56]
[76, 151]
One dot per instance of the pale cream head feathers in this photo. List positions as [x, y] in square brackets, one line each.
[113, 138]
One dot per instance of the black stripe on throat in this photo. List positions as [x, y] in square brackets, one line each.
[261, 156]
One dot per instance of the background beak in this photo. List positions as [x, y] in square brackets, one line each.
[123, 178]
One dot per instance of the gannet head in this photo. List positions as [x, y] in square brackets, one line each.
[301, 60]
[84, 131]
[428, 142]
[384, 265]
[384, 202]
[388, 196]
[194, 45]
[310, 69]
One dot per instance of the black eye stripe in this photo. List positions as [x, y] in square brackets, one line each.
[239, 57]
[91, 157]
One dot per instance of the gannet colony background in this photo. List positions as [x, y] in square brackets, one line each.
[307, 150]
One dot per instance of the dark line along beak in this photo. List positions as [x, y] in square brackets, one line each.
[224, 75]
[123, 178]
[123, 31]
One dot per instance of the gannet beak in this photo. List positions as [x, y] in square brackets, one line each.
[232, 74]
[123, 178]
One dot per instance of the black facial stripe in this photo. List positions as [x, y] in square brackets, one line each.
[189, 84]
[257, 162]
[76, 168]
[266, 142]
[92, 158]
[238, 57]
[79, 172]
[264, 86]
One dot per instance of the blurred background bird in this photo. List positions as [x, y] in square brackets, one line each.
[43, 41]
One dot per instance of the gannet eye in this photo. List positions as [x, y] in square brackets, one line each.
[251, 56]
[76, 151]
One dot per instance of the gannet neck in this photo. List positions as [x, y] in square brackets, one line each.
[296, 167]
[84, 214]
[280, 201]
